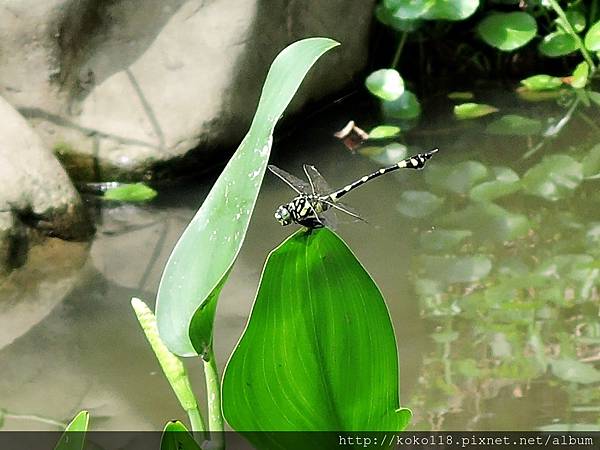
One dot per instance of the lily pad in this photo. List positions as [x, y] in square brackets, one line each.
[507, 31]
[473, 110]
[405, 107]
[387, 84]
[506, 182]
[384, 132]
[458, 178]
[443, 240]
[592, 38]
[591, 162]
[387, 17]
[418, 204]
[542, 82]
[554, 178]
[515, 125]
[455, 269]
[558, 44]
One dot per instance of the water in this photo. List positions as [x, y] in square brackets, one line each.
[494, 303]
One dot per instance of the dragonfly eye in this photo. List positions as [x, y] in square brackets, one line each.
[283, 215]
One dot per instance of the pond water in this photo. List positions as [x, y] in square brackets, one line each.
[488, 262]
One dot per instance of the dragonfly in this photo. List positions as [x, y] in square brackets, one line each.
[315, 203]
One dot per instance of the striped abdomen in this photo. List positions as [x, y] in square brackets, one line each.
[414, 162]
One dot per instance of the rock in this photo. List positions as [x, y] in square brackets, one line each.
[119, 88]
[35, 193]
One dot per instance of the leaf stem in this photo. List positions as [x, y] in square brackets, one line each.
[573, 33]
[213, 393]
[399, 49]
[197, 424]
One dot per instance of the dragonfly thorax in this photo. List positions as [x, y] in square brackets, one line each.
[303, 210]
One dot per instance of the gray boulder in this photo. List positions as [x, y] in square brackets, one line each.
[36, 196]
[118, 88]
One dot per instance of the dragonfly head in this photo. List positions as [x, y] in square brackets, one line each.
[283, 215]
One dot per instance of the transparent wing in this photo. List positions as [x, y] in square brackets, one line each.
[345, 209]
[298, 185]
[317, 181]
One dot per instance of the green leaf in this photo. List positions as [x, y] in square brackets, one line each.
[387, 17]
[506, 182]
[418, 204]
[507, 31]
[580, 75]
[542, 82]
[554, 178]
[594, 96]
[171, 365]
[384, 132]
[458, 178]
[449, 9]
[408, 9]
[318, 317]
[592, 38]
[473, 110]
[176, 437]
[558, 44]
[207, 249]
[387, 84]
[591, 162]
[137, 192]
[461, 95]
[74, 436]
[456, 269]
[575, 18]
[513, 124]
[404, 107]
[575, 371]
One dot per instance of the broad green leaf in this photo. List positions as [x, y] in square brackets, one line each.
[387, 84]
[507, 31]
[575, 371]
[542, 82]
[207, 249]
[513, 124]
[390, 154]
[74, 436]
[538, 96]
[137, 192]
[176, 437]
[443, 240]
[592, 38]
[318, 352]
[171, 365]
[418, 204]
[506, 182]
[558, 44]
[387, 17]
[591, 162]
[404, 107]
[384, 132]
[473, 110]
[455, 269]
[580, 75]
[458, 178]
[554, 178]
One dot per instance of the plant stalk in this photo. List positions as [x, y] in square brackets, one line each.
[558, 10]
[213, 394]
[197, 424]
[399, 49]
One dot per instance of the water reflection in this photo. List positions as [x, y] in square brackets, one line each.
[488, 262]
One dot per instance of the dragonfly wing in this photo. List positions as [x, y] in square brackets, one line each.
[298, 185]
[345, 209]
[316, 179]
[329, 219]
